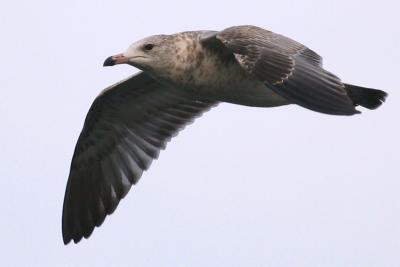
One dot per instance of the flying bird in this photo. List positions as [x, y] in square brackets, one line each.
[182, 76]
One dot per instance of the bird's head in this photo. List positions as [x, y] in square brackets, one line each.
[152, 54]
[167, 57]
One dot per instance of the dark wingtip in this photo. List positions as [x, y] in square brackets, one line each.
[66, 239]
[110, 61]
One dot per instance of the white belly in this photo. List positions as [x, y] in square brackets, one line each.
[234, 85]
[253, 93]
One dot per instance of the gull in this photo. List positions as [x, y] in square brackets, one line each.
[182, 76]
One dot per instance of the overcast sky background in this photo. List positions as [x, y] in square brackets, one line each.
[241, 186]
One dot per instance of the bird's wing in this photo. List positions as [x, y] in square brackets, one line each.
[125, 129]
[287, 67]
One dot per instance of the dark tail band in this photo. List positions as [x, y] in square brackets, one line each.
[366, 97]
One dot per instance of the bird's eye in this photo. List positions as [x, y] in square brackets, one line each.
[148, 47]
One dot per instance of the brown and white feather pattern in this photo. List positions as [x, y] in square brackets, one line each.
[288, 68]
[129, 123]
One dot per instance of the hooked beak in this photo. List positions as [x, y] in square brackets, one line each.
[114, 60]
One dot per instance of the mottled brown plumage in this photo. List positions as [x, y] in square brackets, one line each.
[183, 76]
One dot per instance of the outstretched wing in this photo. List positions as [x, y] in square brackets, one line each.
[125, 129]
[287, 67]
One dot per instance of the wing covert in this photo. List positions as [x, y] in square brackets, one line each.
[287, 67]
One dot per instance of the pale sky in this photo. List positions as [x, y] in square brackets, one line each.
[239, 187]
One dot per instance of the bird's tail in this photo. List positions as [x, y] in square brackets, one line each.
[366, 97]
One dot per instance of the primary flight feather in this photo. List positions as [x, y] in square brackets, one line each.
[184, 75]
